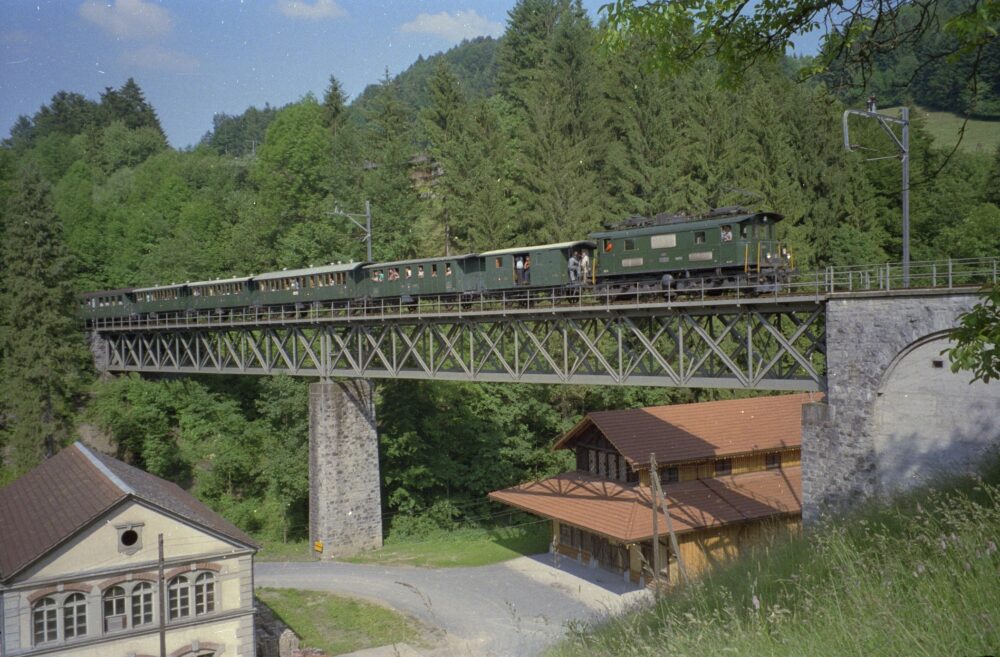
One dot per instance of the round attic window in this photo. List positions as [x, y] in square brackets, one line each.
[129, 537]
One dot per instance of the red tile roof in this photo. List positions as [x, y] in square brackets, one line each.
[624, 511]
[695, 432]
[63, 494]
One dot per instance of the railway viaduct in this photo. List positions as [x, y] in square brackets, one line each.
[888, 414]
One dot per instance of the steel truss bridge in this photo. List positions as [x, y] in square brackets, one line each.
[714, 340]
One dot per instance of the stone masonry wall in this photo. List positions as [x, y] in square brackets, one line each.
[864, 335]
[345, 506]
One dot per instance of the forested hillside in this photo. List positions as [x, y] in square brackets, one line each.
[540, 136]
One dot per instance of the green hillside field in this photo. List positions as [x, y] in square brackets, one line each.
[980, 136]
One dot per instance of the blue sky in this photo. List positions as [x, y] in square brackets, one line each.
[194, 58]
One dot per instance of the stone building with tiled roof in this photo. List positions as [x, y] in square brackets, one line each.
[81, 572]
[729, 470]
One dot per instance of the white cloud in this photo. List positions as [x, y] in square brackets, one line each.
[128, 19]
[462, 25]
[311, 11]
[160, 59]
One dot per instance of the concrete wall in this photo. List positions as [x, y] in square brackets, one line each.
[890, 414]
[345, 505]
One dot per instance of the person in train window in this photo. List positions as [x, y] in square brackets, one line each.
[727, 233]
[420, 271]
[585, 266]
[527, 270]
[447, 270]
[573, 266]
[409, 272]
[518, 270]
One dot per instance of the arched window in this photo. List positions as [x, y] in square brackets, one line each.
[180, 597]
[75, 616]
[204, 594]
[114, 609]
[142, 604]
[43, 620]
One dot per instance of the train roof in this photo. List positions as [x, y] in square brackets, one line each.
[694, 224]
[307, 271]
[220, 281]
[419, 261]
[539, 247]
[104, 293]
[159, 287]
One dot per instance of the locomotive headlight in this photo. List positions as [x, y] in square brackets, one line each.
[768, 256]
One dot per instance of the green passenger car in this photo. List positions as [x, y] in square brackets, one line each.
[107, 304]
[545, 265]
[731, 244]
[330, 283]
[446, 275]
[161, 299]
[220, 294]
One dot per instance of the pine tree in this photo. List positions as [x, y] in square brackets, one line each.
[129, 105]
[387, 177]
[45, 360]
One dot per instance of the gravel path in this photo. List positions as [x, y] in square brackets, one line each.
[512, 609]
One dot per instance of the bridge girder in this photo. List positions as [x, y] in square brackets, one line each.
[753, 346]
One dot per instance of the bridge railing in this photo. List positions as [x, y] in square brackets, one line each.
[887, 277]
[804, 286]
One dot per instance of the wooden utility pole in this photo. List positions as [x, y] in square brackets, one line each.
[660, 502]
[654, 476]
[163, 597]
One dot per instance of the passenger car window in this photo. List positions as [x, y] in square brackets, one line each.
[630, 245]
[699, 237]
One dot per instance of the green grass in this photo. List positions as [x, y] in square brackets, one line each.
[918, 579]
[336, 624]
[980, 136]
[291, 551]
[464, 547]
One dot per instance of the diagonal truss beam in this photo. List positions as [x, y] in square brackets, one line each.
[781, 347]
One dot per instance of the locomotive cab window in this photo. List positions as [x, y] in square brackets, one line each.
[699, 237]
[609, 246]
[745, 231]
[726, 233]
[499, 263]
[629, 244]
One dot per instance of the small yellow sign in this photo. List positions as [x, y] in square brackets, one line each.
[318, 546]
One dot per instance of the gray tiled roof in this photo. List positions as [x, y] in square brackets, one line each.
[63, 494]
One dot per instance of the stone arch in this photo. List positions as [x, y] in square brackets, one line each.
[928, 420]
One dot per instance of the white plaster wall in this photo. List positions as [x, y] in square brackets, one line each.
[930, 421]
[96, 548]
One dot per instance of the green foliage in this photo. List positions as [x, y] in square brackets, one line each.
[240, 135]
[43, 359]
[976, 339]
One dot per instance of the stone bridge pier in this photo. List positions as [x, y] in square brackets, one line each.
[345, 506]
[895, 416]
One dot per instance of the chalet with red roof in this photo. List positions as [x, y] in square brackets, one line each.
[730, 471]
[81, 575]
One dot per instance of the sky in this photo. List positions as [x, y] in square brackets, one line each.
[196, 58]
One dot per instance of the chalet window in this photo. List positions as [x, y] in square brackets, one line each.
[772, 461]
[180, 597]
[723, 467]
[669, 475]
[204, 594]
[75, 616]
[142, 604]
[43, 620]
[114, 609]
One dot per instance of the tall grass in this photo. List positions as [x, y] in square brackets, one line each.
[918, 578]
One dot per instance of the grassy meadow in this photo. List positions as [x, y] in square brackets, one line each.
[980, 136]
[337, 624]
